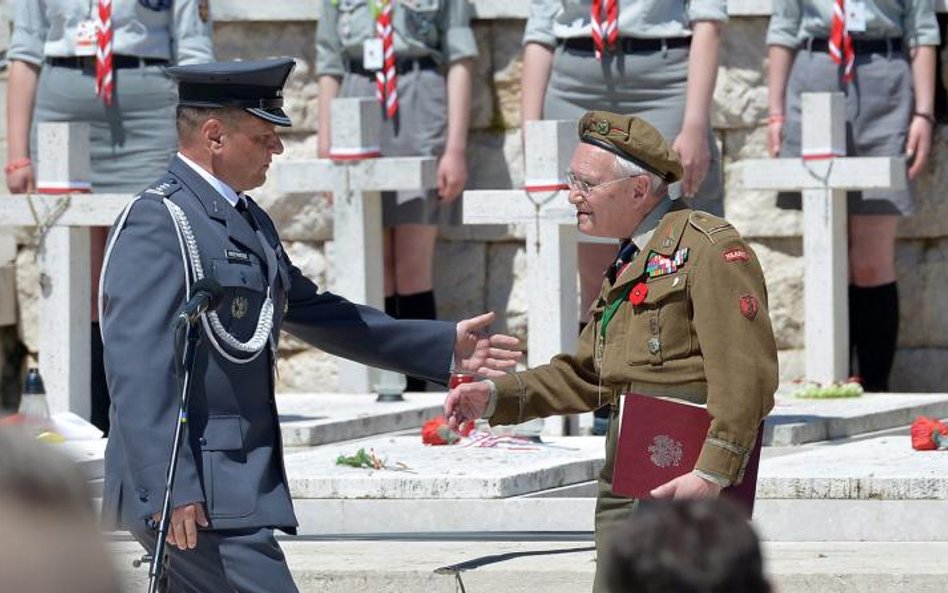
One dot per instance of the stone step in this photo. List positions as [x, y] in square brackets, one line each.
[416, 471]
[797, 421]
[877, 489]
[398, 566]
[313, 419]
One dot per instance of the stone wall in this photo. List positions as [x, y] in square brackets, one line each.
[480, 268]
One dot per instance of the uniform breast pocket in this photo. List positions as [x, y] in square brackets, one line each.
[355, 22]
[244, 293]
[421, 19]
[663, 322]
[226, 485]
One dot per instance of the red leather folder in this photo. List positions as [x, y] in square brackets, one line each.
[660, 439]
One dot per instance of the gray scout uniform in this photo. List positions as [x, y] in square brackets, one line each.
[879, 100]
[134, 140]
[429, 36]
[648, 79]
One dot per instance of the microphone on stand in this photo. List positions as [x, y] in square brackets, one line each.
[206, 295]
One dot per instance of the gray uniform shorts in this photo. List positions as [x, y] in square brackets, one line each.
[133, 141]
[651, 85]
[422, 129]
[879, 103]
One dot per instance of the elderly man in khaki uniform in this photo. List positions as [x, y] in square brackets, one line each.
[682, 314]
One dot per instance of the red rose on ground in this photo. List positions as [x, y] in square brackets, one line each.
[638, 294]
[437, 432]
[924, 437]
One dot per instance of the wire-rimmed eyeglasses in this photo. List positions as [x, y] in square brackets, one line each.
[584, 188]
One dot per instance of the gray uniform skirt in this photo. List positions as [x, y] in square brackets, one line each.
[650, 85]
[133, 140]
[422, 129]
[879, 103]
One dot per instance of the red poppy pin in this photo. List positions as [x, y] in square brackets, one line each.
[638, 294]
[749, 306]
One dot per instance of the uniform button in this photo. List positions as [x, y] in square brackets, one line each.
[203, 441]
[243, 277]
[654, 345]
[142, 495]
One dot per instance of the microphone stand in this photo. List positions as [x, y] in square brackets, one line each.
[156, 572]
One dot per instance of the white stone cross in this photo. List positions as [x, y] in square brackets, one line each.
[824, 175]
[65, 284]
[356, 179]
[550, 221]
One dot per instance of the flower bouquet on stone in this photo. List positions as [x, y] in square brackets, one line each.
[929, 434]
[437, 432]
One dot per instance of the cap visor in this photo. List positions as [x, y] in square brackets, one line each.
[274, 116]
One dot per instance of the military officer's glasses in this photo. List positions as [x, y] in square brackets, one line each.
[584, 188]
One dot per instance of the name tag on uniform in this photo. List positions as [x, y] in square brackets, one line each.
[85, 38]
[855, 16]
[372, 54]
[237, 257]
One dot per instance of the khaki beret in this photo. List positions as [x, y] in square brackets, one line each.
[631, 138]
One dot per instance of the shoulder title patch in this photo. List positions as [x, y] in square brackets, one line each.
[736, 254]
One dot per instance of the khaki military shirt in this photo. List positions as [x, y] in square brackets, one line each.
[793, 21]
[701, 333]
[180, 33]
[551, 20]
[439, 29]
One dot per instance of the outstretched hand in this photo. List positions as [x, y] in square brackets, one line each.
[466, 402]
[477, 352]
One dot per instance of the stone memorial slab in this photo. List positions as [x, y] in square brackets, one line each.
[314, 419]
[797, 421]
[89, 455]
[883, 468]
[450, 472]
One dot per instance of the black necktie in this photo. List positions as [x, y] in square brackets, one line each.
[627, 253]
[241, 207]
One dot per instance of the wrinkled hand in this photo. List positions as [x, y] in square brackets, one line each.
[774, 137]
[476, 352]
[467, 401]
[692, 148]
[182, 531]
[452, 175]
[21, 181]
[690, 485]
[918, 145]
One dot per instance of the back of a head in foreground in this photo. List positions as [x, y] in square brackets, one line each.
[49, 540]
[685, 546]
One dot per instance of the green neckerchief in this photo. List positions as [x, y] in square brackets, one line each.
[610, 311]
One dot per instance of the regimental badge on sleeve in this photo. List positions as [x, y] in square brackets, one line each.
[749, 306]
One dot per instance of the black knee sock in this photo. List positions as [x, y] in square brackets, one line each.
[391, 306]
[99, 389]
[420, 305]
[874, 331]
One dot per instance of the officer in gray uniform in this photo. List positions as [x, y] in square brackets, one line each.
[53, 77]
[662, 69]
[890, 104]
[193, 223]
[434, 47]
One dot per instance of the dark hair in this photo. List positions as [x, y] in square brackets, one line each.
[685, 546]
[34, 473]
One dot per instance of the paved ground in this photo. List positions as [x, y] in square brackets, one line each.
[388, 566]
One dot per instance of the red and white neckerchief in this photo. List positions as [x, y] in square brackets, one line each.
[386, 79]
[841, 41]
[104, 82]
[608, 36]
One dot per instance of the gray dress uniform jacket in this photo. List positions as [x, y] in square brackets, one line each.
[232, 459]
